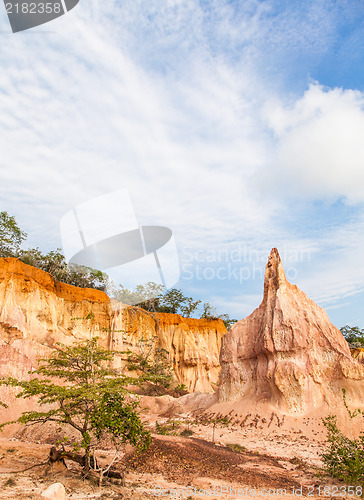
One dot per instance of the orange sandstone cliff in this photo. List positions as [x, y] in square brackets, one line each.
[36, 312]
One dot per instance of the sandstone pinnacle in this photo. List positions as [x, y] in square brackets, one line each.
[287, 352]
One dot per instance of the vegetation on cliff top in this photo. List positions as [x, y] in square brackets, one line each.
[353, 335]
[53, 262]
[151, 296]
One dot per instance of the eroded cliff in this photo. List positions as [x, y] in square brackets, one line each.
[36, 312]
[287, 352]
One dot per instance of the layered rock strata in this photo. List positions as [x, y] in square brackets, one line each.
[287, 352]
[36, 312]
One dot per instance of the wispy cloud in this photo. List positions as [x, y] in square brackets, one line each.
[182, 103]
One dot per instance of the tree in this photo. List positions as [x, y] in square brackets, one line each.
[124, 295]
[151, 293]
[11, 236]
[228, 322]
[353, 335]
[153, 297]
[209, 312]
[86, 395]
[54, 263]
[215, 420]
[172, 300]
[189, 307]
[153, 367]
[145, 296]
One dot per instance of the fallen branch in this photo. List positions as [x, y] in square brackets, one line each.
[24, 470]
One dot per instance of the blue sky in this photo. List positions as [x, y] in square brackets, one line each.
[237, 124]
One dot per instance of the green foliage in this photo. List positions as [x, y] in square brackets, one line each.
[187, 433]
[80, 390]
[172, 301]
[55, 264]
[208, 311]
[236, 447]
[118, 417]
[161, 429]
[228, 322]
[125, 296]
[353, 335]
[344, 457]
[145, 296]
[11, 236]
[180, 390]
[189, 306]
[168, 429]
[152, 297]
[215, 421]
[151, 294]
[153, 367]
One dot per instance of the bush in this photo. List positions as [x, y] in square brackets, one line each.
[153, 367]
[167, 429]
[11, 236]
[55, 264]
[344, 457]
[186, 433]
[236, 447]
[353, 335]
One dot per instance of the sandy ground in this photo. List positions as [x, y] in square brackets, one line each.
[251, 457]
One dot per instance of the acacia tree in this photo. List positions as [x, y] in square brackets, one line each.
[86, 395]
[11, 236]
[54, 262]
[354, 335]
[189, 307]
[209, 312]
[155, 373]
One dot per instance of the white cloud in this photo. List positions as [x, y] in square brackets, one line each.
[165, 99]
[320, 146]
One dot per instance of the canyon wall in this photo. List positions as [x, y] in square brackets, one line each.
[36, 312]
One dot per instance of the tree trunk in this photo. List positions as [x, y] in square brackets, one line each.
[59, 456]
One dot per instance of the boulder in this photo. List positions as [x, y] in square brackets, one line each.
[55, 492]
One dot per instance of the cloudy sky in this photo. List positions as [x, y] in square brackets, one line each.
[237, 124]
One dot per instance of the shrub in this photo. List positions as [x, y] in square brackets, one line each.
[9, 482]
[169, 428]
[344, 457]
[236, 447]
[186, 433]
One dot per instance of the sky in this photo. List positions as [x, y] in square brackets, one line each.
[239, 125]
